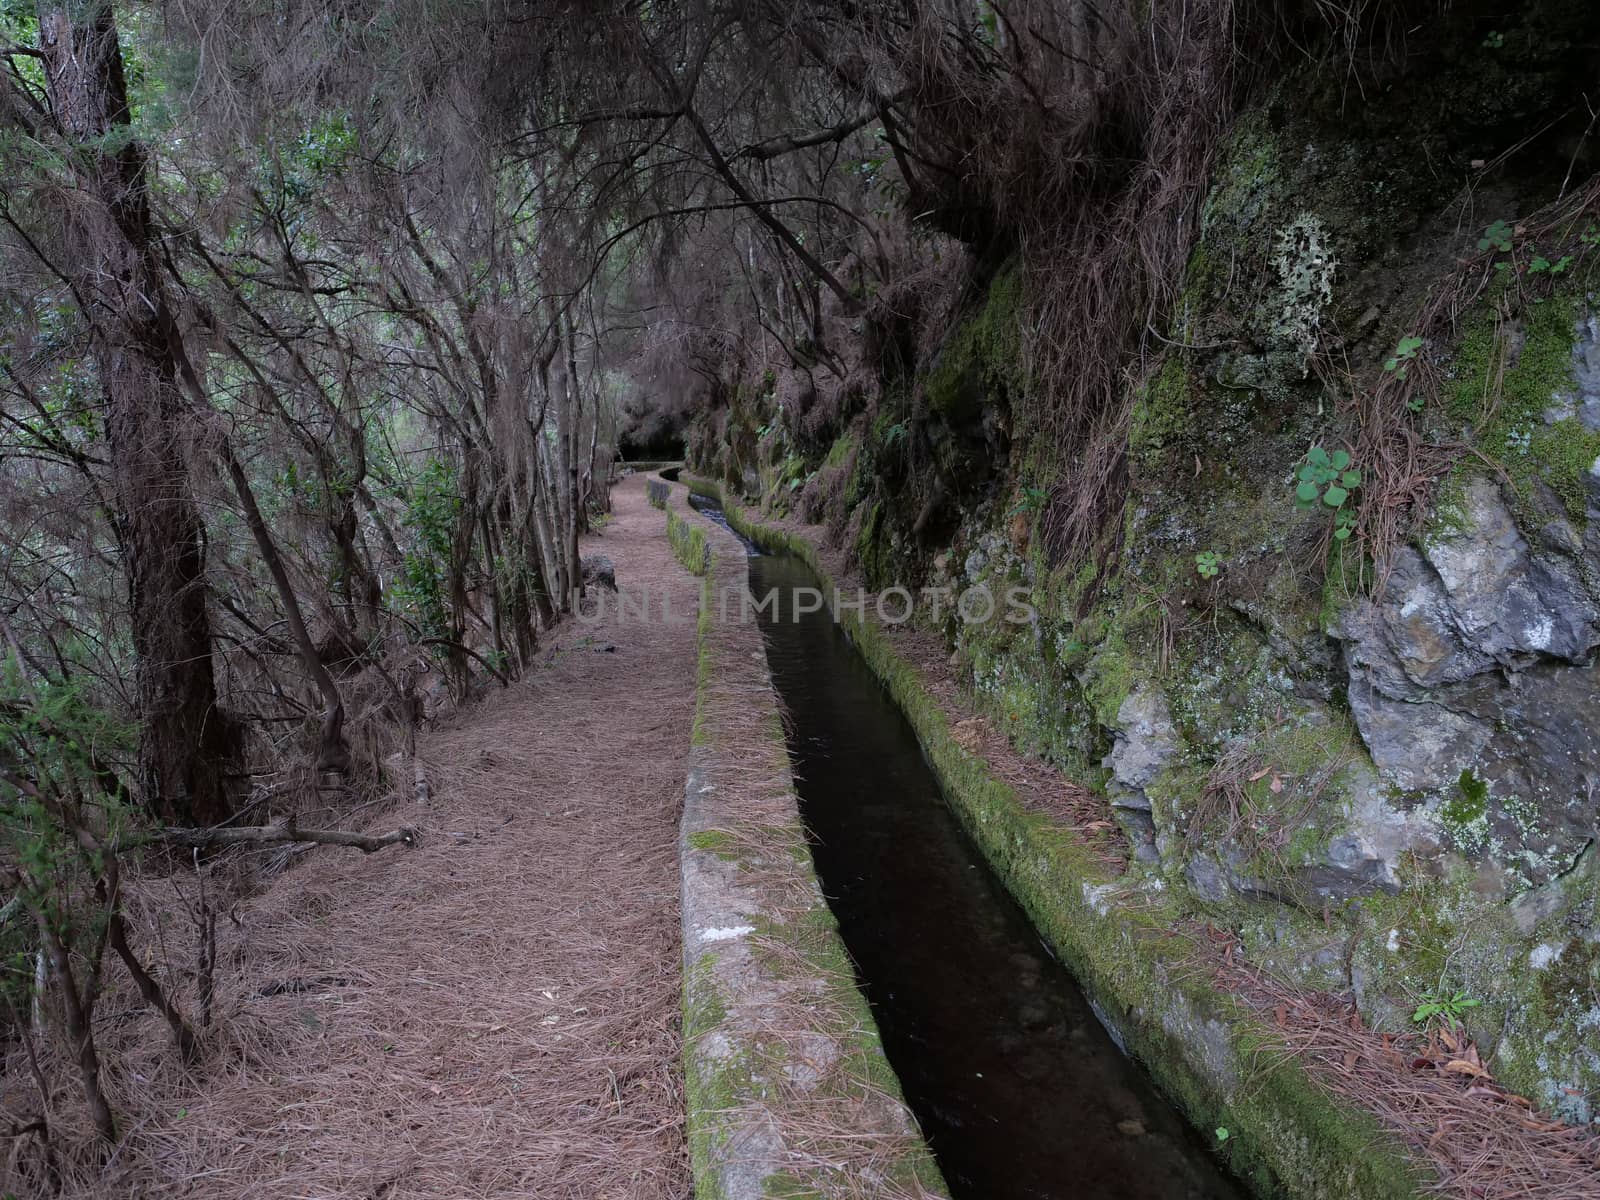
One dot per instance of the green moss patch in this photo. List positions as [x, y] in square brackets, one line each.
[979, 361]
[1506, 380]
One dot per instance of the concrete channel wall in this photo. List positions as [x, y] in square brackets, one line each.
[1286, 1136]
[788, 1090]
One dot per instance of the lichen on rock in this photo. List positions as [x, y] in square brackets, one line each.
[1476, 661]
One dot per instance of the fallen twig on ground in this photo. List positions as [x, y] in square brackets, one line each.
[285, 831]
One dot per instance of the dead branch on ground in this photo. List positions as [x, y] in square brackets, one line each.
[283, 831]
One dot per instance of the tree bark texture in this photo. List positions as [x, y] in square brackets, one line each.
[185, 739]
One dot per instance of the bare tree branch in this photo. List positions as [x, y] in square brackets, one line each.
[280, 832]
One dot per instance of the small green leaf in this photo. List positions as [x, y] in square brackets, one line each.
[1341, 459]
[1351, 479]
[1318, 456]
[1497, 235]
[1335, 496]
[1222, 1133]
[1342, 532]
[1392, 365]
[1306, 493]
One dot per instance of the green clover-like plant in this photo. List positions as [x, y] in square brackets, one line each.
[1497, 237]
[1208, 563]
[1326, 481]
[1542, 265]
[1404, 355]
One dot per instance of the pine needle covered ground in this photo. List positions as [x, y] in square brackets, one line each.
[494, 1013]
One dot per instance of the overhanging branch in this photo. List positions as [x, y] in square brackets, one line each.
[775, 147]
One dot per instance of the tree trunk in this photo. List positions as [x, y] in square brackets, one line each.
[569, 451]
[185, 739]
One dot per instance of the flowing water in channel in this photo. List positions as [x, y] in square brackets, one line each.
[1020, 1090]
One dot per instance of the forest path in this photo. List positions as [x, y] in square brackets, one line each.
[496, 1012]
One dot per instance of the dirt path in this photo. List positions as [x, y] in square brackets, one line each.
[495, 1013]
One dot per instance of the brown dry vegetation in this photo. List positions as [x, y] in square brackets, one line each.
[1431, 1089]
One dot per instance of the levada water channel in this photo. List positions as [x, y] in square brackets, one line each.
[1019, 1088]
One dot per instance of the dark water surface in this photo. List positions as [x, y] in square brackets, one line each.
[1020, 1090]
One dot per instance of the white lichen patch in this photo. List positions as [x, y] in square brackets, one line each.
[1542, 955]
[1304, 259]
[1098, 896]
[1539, 633]
[725, 933]
[1465, 822]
